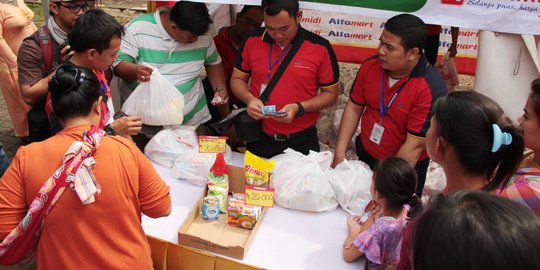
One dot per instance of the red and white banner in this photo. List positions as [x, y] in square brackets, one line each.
[354, 26]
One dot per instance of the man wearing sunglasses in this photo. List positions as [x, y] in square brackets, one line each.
[41, 53]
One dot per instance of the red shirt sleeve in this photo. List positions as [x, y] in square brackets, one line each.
[329, 72]
[358, 89]
[420, 118]
[405, 252]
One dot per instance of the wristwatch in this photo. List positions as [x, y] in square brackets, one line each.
[109, 130]
[300, 111]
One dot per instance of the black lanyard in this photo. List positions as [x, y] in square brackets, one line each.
[270, 64]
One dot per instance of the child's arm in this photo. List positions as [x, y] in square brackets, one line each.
[350, 251]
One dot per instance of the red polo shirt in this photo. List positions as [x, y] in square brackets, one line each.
[410, 113]
[227, 51]
[314, 65]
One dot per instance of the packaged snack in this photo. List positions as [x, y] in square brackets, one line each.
[242, 215]
[218, 182]
[257, 170]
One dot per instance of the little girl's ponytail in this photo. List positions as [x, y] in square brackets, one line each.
[395, 179]
[416, 206]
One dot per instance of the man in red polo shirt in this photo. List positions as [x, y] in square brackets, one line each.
[314, 66]
[393, 94]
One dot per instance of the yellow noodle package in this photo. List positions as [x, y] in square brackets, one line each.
[257, 170]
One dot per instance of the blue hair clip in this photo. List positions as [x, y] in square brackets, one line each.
[500, 138]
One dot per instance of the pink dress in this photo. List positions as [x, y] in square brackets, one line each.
[381, 243]
[16, 23]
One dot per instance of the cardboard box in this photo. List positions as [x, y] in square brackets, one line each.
[217, 236]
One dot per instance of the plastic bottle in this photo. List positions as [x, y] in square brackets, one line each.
[218, 182]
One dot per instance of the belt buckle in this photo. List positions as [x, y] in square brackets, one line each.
[280, 137]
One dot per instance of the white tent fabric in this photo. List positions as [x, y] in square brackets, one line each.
[505, 69]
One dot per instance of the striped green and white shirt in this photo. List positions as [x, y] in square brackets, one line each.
[181, 63]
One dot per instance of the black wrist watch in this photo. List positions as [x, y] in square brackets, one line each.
[109, 130]
[300, 111]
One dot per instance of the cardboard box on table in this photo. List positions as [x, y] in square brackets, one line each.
[217, 236]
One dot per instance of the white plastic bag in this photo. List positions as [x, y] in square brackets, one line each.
[435, 181]
[447, 69]
[157, 101]
[165, 147]
[351, 180]
[300, 182]
[179, 149]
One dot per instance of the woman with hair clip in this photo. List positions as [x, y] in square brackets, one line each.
[477, 146]
[110, 183]
[524, 187]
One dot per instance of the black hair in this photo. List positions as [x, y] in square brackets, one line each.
[57, 3]
[535, 96]
[410, 29]
[248, 7]
[274, 7]
[474, 230]
[464, 120]
[73, 91]
[192, 17]
[396, 180]
[94, 30]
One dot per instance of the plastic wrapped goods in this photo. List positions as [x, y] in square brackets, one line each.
[157, 101]
[300, 182]
[351, 180]
[218, 182]
[179, 149]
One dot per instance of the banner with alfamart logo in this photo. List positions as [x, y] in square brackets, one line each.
[354, 26]
[509, 16]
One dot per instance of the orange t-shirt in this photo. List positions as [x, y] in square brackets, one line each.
[106, 234]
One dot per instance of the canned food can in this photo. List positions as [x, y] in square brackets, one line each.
[210, 208]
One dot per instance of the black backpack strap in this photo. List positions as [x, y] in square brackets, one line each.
[284, 64]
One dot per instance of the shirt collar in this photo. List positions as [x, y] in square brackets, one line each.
[420, 67]
[160, 26]
[300, 35]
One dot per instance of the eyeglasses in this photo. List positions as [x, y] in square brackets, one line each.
[77, 8]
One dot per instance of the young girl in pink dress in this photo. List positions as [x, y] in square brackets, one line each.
[378, 237]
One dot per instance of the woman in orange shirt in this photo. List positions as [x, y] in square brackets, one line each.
[16, 23]
[96, 222]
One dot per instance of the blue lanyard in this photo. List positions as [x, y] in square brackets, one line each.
[384, 109]
[270, 64]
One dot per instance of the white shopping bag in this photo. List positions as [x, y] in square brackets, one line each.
[178, 149]
[351, 180]
[157, 101]
[300, 182]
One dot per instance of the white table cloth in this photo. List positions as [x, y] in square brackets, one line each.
[286, 239]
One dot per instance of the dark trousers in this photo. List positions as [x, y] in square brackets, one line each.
[421, 166]
[432, 48]
[267, 147]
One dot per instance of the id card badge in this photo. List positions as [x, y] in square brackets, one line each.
[377, 133]
[263, 87]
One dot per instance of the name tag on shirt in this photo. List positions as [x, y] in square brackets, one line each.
[377, 133]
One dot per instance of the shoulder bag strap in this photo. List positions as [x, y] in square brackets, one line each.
[286, 61]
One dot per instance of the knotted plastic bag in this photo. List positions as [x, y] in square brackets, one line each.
[300, 182]
[447, 69]
[351, 180]
[179, 149]
[157, 101]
